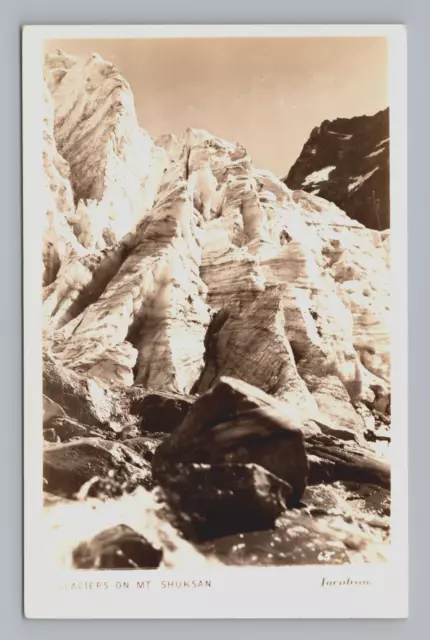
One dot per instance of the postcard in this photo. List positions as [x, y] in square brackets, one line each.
[215, 321]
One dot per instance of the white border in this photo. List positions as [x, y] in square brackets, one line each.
[286, 592]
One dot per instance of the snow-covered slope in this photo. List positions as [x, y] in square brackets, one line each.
[115, 168]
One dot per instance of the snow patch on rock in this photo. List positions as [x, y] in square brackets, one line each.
[359, 180]
[318, 176]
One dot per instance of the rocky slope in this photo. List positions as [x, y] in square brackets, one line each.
[216, 349]
[346, 161]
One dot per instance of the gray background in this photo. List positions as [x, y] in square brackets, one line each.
[416, 16]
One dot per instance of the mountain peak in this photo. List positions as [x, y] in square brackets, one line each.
[346, 160]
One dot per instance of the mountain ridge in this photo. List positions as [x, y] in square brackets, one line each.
[356, 153]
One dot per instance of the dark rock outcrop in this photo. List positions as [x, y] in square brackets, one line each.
[80, 397]
[160, 412]
[117, 548]
[209, 501]
[236, 422]
[67, 467]
[346, 161]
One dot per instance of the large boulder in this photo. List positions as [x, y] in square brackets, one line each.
[67, 467]
[119, 547]
[160, 412]
[236, 422]
[209, 501]
[347, 162]
[80, 397]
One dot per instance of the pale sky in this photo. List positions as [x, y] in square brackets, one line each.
[266, 93]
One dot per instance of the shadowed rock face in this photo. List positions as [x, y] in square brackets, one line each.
[212, 338]
[346, 161]
[161, 412]
[209, 501]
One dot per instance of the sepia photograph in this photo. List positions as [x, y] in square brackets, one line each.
[211, 290]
